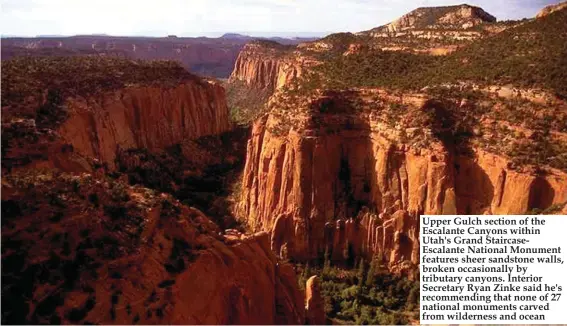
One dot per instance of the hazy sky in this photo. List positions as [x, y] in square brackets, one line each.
[214, 17]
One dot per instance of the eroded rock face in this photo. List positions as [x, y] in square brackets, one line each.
[349, 184]
[67, 128]
[115, 254]
[289, 301]
[314, 303]
[144, 117]
[265, 65]
[486, 185]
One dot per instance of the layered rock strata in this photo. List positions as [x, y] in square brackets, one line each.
[144, 117]
[351, 184]
[264, 65]
[460, 17]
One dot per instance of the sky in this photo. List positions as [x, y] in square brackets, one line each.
[216, 17]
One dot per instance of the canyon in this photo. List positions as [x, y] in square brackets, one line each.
[131, 194]
[347, 173]
[80, 246]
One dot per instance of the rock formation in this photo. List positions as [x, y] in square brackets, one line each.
[266, 65]
[314, 303]
[350, 183]
[435, 30]
[102, 252]
[78, 110]
[88, 248]
[432, 30]
[461, 16]
[551, 8]
[144, 117]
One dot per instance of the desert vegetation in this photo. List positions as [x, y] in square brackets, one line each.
[529, 55]
[364, 294]
[245, 103]
[67, 248]
[199, 173]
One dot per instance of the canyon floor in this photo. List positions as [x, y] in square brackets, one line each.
[137, 192]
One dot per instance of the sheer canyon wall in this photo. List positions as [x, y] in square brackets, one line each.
[144, 117]
[353, 185]
[262, 65]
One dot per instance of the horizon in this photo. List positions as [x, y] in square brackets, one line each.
[259, 34]
[201, 18]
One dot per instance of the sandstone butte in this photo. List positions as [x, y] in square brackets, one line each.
[460, 17]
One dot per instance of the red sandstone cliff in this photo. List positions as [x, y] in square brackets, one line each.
[150, 117]
[266, 65]
[93, 107]
[351, 183]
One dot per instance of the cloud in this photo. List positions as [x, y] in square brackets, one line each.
[199, 17]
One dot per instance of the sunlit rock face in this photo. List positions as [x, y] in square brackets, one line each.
[347, 183]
